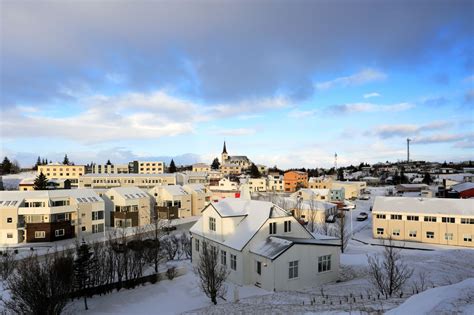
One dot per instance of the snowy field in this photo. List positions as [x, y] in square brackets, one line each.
[10, 182]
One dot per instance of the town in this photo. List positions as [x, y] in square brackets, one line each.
[264, 227]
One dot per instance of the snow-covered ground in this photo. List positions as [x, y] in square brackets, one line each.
[10, 182]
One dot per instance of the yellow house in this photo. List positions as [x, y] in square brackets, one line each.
[201, 167]
[126, 180]
[61, 171]
[427, 220]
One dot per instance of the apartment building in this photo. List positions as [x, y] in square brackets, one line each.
[110, 169]
[146, 167]
[231, 169]
[200, 197]
[49, 215]
[426, 220]
[201, 167]
[128, 207]
[61, 171]
[144, 181]
[257, 184]
[188, 177]
[275, 183]
[175, 196]
[295, 180]
[351, 189]
[261, 244]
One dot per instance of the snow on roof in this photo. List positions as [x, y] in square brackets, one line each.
[82, 195]
[131, 192]
[271, 248]
[239, 157]
[129, 175]
[312, 241]
[27, 181]
[424, 205]
[254, 214]
[463, 186]
[195, 187]
[413, 185]
[201, 165]
[174, 190]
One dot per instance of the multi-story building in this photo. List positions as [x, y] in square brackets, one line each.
[231, 169]
[321, 182]
[200, 197]
[201, 167]
[261, 244]
[144, 181]
[110, 169]
[146, 167]
[295, 180]
[427, 220]
[175, 196]
[257, 184]
[351, 189]
[312, 194]
[225, 189]
[275, 183]
[128, 206]
[188, 177]
[49, 215]
[61, 171]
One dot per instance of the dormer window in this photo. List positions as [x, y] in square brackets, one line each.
[212, 224]
[287, 226]
[273, 228]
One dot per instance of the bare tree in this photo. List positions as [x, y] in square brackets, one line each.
[421, 283]
[186, 245]
[389, 273]
[7, 263]
[40, 287]
[211, 273]
[170, 246]
[312, 214]
[341, 231]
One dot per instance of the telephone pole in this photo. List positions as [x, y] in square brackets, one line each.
[408, 150]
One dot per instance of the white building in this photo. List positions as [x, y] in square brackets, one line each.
[261, 244]
[173, 196]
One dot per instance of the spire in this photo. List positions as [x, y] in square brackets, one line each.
[224, 150]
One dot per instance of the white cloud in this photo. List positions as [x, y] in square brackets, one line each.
[362, 77]
[370, 95]
[370, 107]
[405, 130]
[236, 132]
[296, 113]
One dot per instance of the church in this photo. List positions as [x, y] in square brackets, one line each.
[239, 160]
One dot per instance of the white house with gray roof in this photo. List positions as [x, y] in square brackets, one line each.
[261, 244]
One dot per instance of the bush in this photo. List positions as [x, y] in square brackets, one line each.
[171, 273]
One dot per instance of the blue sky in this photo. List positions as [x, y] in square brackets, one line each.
[286, 83]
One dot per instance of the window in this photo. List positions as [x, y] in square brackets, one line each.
[233, 262]
[396, 232]
[259, 267]
[379, 231]
[212, 224]
[448, 236]
[380, 216]
[9, 220]
[430, 219]
[97, 228]
[83, 229]
[293, 269]
[97, 215]
[223, 258]
[59, 232]
[396, 216]
[412, 234]
[40, 234]
[196, 244]
[9, 235]
[324, 263]
[287, 226]
[467, 237]
[273, 228]
[448, 220]
[413, 218]
[429, 234]
[467, 221]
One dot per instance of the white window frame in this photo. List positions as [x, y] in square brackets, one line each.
[40, 234]
[324, 263]
[212, 224]
[293, 269]
[380, 231]
[233, 262]
[57, 234]
[431, 234]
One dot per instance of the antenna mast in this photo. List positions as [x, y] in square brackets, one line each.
[408, 150]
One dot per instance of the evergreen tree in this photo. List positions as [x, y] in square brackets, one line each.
[108, 162]
[38, 162]
[84, 267]
[427, 179]
[44, 162]
[41, 182]
[66, 160]
[254, 172]
[340, 174]
[215, 164]
[6, 166]
[172, 168]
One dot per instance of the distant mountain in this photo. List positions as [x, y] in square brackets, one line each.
[183, 159]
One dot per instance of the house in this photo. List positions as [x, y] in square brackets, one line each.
[351, 189]
[231, 169]
[275, 183]
[54, 183]
[61, 171]
[172, 196]
[337, 194]
[225, 189]
[402, 188]
[201, 167]
[295, 180]
[200, 197]
[427, 220]
[128, 206]
[463, 190]
[188, 177]
[257, 184]
[146, 167]
[312, 194]
[321, 182]
[144, 181]
[49, 215]
[261, 244]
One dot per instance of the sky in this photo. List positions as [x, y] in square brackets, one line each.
[287, 83]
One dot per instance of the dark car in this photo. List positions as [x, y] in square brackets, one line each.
[168, 228]
[362, 216]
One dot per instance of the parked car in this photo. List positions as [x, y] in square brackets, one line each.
[364, 197]
[168, 228]
[348, 206]
[362, 216]
[331, 219]
[370, 208]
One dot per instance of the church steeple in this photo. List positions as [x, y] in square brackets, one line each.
[224, 155]
[224, 150]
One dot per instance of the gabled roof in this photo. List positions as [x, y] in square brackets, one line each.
[463, 186]
[130, 192]
[253, 215]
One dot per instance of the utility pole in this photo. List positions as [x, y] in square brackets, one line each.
[408, 150]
